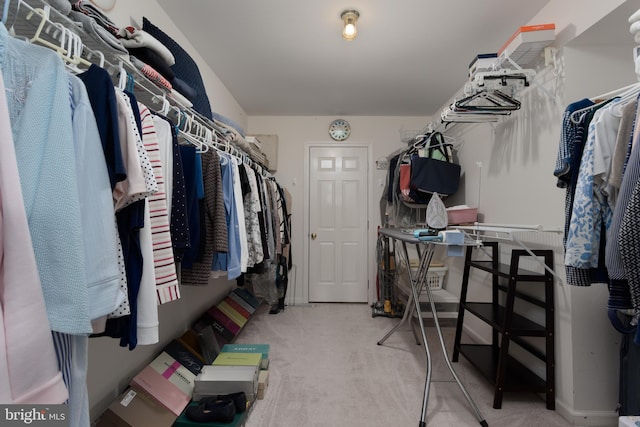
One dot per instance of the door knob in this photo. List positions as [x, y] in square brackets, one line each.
[313, 236]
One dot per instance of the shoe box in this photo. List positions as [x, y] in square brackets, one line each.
[220, 379]
[263, 383]
[135, 408]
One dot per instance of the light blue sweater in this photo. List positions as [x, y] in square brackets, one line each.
[38, 95]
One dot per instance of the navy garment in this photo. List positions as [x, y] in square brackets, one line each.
[179, 221]
[192, 167]
[102, 96]
[182, 87]
[136, 111]
[185, 68]
[130, 221]
[393, 163]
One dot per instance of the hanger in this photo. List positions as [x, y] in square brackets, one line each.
[449, 116]
[495, 101]
[626, 94]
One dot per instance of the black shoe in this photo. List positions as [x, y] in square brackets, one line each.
[274, 309]
[222, 411]
[239, 400]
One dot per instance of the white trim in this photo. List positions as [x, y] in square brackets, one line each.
[587, 418]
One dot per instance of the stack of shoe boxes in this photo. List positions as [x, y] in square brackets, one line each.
[159, 393]
[229, 316]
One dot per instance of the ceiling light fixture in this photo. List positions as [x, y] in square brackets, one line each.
[349, 31]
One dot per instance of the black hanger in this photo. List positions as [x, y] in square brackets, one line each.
[493, 100]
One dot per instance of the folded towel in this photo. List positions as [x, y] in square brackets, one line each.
[151, 73]
[132, 38]
[180, 99]
[151, 57]
[62, 6]
[108, 41]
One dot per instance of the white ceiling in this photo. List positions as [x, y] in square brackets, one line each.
[287, 57]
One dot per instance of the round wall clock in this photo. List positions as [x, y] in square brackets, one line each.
[339, 130]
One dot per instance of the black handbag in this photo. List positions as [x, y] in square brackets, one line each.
[431, 174]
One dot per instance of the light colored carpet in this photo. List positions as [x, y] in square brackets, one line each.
[326, 370]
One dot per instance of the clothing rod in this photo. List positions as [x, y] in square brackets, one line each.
[537, 227]
[91, 51]
[614, 92]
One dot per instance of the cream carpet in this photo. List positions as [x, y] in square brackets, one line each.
[326, 370]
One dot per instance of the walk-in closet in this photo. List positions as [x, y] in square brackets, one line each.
[276, 214]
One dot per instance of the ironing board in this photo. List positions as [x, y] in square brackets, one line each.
[418, 280]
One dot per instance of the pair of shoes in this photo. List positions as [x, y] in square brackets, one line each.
[239, 400]
[222, 411]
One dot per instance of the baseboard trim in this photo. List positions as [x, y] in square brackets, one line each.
[587, 418]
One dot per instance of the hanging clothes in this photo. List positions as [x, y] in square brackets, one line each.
[229, 261]
[40, 116]
[214, 225]
[165, 272]
[177, 203]
[28, 361]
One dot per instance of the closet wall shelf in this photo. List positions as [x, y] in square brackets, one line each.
[29, 18]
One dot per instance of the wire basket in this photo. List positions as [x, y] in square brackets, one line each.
[408, 135]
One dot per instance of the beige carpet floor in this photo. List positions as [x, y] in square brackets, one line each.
[326, 370]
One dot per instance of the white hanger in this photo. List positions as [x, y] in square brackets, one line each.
[122, 77]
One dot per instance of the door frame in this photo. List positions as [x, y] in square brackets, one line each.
[306, 213]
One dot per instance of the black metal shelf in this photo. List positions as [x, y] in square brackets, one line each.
[495, 315]
[520, 378]
[494, 360]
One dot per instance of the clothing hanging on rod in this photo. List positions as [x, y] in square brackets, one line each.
[624, 93]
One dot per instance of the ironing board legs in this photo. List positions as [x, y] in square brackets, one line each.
[418, 281]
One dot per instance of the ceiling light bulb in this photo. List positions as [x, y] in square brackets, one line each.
[349, 31]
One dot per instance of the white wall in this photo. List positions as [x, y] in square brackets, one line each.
[294, 133]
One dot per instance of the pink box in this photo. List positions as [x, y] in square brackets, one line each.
[462, 216]
[161, 389]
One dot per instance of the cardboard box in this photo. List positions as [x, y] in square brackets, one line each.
[528, 42]
[232, 313]
[224, 320]
[240, 301]
[174, 372]
[250, 348]
[239, 359]
[135, 408]
[238, 307]
[216, 379]
[247, 296]
[482, 62]
[163, 391]
[263, 383]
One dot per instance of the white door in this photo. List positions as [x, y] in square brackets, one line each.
[338, 200]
